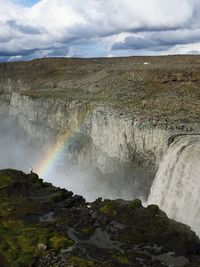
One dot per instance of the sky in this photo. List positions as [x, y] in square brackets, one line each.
[97, 28]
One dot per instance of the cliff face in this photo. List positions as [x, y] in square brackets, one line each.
[117, 144]
[118, 135]
[118, 113]
[45, 117]
[125, 137]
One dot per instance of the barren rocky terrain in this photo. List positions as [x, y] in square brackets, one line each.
[167, 87]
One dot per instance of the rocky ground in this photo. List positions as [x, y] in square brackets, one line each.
[158, 88]
[41, 225]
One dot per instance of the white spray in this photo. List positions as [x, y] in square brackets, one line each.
[176, 188]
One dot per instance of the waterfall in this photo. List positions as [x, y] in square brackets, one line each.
[176, 188]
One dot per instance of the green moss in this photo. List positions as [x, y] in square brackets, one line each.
[19, 241]
[5, 180]
[120, 258]
[25, 258]
[87, 230]
[161, 222]
[13, 225]
[80, 262]
[57, 242]
[135, 204]
[57, 197]
[6, 207]
[153, 208]
[109, 208]
[9, 206]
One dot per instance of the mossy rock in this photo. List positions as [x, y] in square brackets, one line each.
[87, 230]
[154, 210]
[26, 240]
[80, 262]
[16, 206]
[137, 203]
[58, 196]
[122, 259]
[58, 241]
[19, 241]
[5, 180]
[109, 208]
[13, 225]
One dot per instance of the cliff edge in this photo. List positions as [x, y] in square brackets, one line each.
[42, 225]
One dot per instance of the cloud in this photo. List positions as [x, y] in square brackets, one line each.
[55, 27]
[26, 29]
[193, 52]
[158, 41]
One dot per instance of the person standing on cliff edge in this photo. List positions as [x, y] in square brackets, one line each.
[31, 170]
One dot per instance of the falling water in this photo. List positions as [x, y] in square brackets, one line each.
[176, 188]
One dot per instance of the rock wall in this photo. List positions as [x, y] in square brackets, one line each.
[117, 144]
[118, 135]
[46, 117]
[123, 137]
[7, 86]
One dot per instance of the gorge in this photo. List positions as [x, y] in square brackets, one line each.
[110, 128]
[112, 116]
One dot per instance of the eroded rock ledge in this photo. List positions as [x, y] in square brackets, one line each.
[41, 225]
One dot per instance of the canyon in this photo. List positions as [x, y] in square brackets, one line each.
[112, 128]
[119, 113]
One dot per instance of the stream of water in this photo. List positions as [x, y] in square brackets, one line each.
[176, 188]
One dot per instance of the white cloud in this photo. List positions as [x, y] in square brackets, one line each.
[186, 49]
[65, 23]
[53, 16]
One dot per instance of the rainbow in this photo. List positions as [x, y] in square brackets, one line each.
[51, 155]
[55, 149]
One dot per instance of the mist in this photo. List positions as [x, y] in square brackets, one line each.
[17, 149]
[20, 151]
[90, 183]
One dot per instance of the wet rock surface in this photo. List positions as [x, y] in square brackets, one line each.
[41, 225]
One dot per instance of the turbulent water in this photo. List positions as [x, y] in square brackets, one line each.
[176, 188]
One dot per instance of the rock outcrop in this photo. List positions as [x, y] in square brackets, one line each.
[41, 225]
